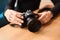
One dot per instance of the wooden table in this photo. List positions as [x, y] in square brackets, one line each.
[50, 31]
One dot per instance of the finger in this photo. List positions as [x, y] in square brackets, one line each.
[17, 12]
[42, 17]
[19, 16]
[47, 19]
[44, 20]
[13, 18]
[15, 21]
[19, 20]
[39, 14]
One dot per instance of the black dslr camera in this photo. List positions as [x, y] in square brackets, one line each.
[31, 21]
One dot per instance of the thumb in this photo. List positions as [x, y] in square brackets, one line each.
[39, 14]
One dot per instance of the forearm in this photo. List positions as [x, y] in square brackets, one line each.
[56, 9]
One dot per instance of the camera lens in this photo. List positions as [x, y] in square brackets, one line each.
[31, 21]
[34, 25]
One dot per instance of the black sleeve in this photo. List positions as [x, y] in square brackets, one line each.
[11, 4]
[56, 9]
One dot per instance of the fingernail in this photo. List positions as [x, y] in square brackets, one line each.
[20, 24]
[22, 21]
[22, 17]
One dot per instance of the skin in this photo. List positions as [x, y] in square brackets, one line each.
[14, 16]
[45, 17]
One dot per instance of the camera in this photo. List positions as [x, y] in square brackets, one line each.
[31, 21]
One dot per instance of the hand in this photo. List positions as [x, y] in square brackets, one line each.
[14, 17]
[45, 16]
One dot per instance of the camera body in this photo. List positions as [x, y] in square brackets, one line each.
[31, 21]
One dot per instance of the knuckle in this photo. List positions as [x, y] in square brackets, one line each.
[45, 21]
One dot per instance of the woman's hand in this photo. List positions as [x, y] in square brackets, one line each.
[14, 17]
[45, 16]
